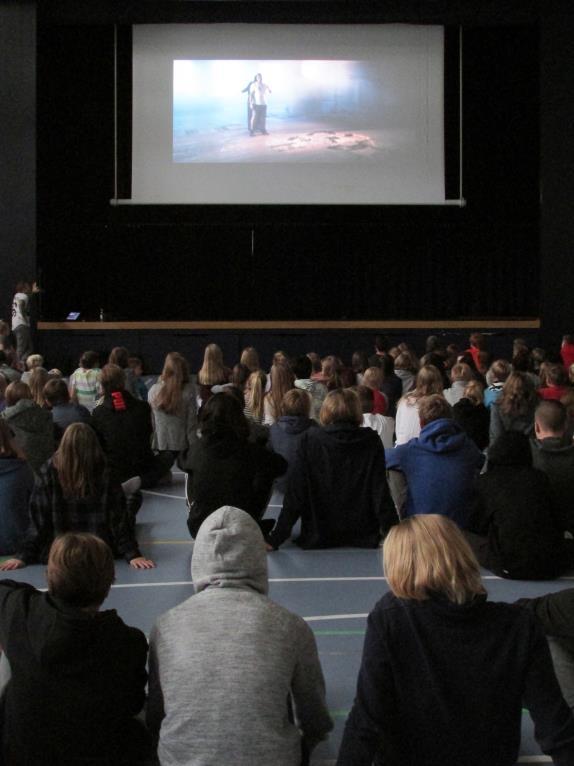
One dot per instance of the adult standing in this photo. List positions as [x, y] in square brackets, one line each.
[21, 318]
[257, 96]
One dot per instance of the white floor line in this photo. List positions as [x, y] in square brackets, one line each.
[322, 617]
[534, 759]
[162, 494]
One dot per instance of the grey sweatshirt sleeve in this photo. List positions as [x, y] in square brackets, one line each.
[308, 690]
[155, 711]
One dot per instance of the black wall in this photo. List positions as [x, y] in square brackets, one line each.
[17, 147]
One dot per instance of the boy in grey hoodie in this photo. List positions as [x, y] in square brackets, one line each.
[229, 668]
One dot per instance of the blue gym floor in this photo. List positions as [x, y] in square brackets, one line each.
[333, 590]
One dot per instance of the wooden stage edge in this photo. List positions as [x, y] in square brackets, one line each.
[239, 326]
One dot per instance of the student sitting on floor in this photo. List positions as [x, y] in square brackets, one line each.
[440, 466]
[337, 484]
[31, 425]
[16, 482]
[84, 383]
[384, 426]
[286, 433]
[234, 678]
[64, 412]
[515, 530]
[75, 493]
[77, 674]
[445, 673]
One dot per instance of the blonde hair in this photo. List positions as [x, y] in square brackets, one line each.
[461, 371]
[428, 554]
[255, 393]
[343, 404]
[297, 401]
[79, 461]
[282, 380]
[250, 358]
[474, 392]
[212, 370]
[429, 381]
[34, 360]
[175, 376]
[38, 379]
[373, 378]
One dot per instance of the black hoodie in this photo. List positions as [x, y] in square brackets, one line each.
[77, 679]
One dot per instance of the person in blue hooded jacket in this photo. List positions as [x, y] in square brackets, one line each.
[439, 466]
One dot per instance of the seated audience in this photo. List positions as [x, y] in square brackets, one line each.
[75, 493]
[64, 412]
[381, 424]
[373, 379]
[213, 372]
[460, 376]
[239, 376]
[302, 370]
[250, 359]
[556, 385]
[406, 370]
[124, 427]
[315, 360]
[381, 349]
[359, 363]
[391, 386]
[16, 482]
[254, 394]
[31, 425]
[555, 612]
[472, 416]
[517, 526]
[282, 380]
[7, 370]
[78, 675]
[135, 363]
[173, 405]
[496, 377]
[445, 673]
[514, 409]
[245, 685]
[567, 350]
[121, 357]
[32, 362]
[522, 362]
[407, 423]
[285, 434]
[84, 383]
[477, 344]
[439, 466]
[37, 381]
[337, 484]
[225, 468]
[553, 453]
[3, 386]
[438, 361]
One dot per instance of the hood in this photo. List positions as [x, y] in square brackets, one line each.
[442, 435]
[229, 552]
[344, 434]
[511, 448]
[294, 424]
[554, 444]
[27, 414]
[10, 465]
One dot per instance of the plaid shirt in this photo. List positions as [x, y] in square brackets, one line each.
[52, 514]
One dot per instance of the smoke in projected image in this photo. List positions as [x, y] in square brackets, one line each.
[274, 111]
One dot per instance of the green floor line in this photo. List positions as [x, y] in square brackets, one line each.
[339, 713]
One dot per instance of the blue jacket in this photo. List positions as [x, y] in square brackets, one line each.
[440, 467]
[16, 482]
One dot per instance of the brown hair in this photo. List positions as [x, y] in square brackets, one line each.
[88, 360]
[56, 392]
[120, 356]
[366, 396]
[255, 392]
[478, 340]
[175, 376]
[428, 554]
[556, 375]
[296, 402]
[433, 407]
[373, 378]
[38, 379]
[16, 391]
[113, 378]
[341, 405]
[212, 370]
[474, 392]
[551, 416]
[282, 380]
[429, 381]
[518, 396]
[461, 371]
[80, 569]
[250, 358]
[315, 360]
[79, 461]
[499, 370]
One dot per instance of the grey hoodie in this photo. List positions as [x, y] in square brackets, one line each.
[33, 430]
[224, 663]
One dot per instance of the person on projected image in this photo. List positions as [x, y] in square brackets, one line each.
[247, 89]
[257, 94]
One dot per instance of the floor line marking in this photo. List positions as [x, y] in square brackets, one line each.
[323, 617]
[162, 494]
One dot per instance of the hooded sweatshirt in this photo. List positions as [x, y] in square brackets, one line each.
[76, 679]
[33, 430]
[284, 437]
[555, 456]
[440, 467]
[16, 482]
[224, 663]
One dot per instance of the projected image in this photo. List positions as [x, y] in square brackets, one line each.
[274, 111]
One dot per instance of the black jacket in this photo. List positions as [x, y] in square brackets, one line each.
[556, 458]
[284, 437]
[515, 511]
[338, 487]
[77, 679]
[125, 436]
[226, 470]
[442, 684]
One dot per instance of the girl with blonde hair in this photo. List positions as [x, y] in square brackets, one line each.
[407, 423]
[38, 379]
[514, 409]
[74, 493]
[254, 396]
[213, 372]
[282, 380]
[444, 671]
[250, 358]
[172, 401]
